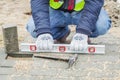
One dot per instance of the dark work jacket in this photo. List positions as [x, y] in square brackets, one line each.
[89, 16]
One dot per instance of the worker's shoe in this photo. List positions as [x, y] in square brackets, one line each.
[63, 39]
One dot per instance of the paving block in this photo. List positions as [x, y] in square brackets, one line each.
[7, 71]
[74, 73]
[112, 49]
[92, 78]
[104, 58]
[45, 72]
[56, 78]
[83, 78]
[57, 64]
[88, 66]
[1, 61]
[3, 55]
[4, 77]
[20, 77]
[36, 77]
[83, 58]
[113, 66]
[39, 63]
[10, 37]
[7, 63]
[104, 74]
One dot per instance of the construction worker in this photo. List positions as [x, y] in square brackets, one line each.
[50, 20]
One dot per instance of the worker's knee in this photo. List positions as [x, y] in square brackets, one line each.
[31, 27]
[104, 23]
[103, 27]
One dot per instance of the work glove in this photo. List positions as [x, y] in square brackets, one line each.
[44, 42]
[79, 42]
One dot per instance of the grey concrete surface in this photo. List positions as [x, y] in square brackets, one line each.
[87, 67]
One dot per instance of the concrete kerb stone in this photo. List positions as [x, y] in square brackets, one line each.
[10, 37]
[11, 45]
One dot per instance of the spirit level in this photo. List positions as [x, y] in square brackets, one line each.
[63, 48]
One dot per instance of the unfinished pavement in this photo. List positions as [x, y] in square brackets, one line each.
[87, 67]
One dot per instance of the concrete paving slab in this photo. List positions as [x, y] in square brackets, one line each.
[4, 77]
[104, 74]
[56, 78]
[7, 71]
[7, 63]
[44, 72]
[3, 55]
[87, 67]
[20, 77]
[36, 78]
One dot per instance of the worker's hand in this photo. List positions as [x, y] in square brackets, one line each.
[44, 42]
[79, 42]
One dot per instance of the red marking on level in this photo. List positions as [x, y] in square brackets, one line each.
[33, 48]
[62, 48]
[91, 49]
